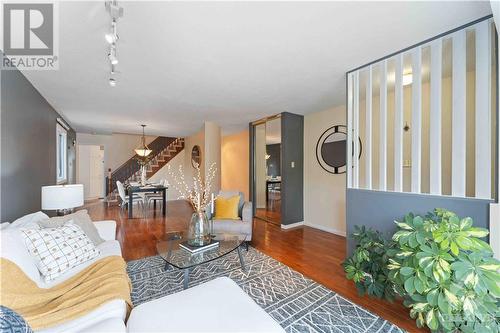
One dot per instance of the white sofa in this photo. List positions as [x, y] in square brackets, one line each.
[224, 307]
[109, 317]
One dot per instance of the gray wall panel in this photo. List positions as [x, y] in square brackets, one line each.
[28, 159]
[378, 210]
[292, 150]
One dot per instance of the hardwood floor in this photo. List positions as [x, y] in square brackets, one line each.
[316, 254]
[272, 212]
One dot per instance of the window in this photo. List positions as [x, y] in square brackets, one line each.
[61, 141]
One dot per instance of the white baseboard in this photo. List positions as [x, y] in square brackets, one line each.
[293, 225]
[315, 226]
[327, 229]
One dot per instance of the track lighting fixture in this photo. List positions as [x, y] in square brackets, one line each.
[112, 37]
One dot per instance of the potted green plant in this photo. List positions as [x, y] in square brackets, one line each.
[446, 273]
[368, 265]
[439, 265]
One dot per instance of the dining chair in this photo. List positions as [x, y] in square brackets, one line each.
[153, 197]
[124, 197]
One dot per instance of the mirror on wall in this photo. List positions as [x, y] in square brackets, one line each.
[267, 170]
[331, 149]
[196, 156]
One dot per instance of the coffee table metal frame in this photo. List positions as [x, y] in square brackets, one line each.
[169, 250]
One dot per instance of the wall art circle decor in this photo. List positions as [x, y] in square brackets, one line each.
[331, 149]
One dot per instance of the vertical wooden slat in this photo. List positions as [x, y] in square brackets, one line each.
[355, 159]
[349, 130]
[368, 129]
[398, 125]
[483, 110]
[416, 120]
[435, 118]
[383, 127]
[458, 138]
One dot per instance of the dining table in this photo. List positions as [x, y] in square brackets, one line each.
[269, 183]
[149, 188]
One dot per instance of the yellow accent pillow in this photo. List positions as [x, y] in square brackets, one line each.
[227, 208]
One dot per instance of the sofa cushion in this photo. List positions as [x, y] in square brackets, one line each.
[29, 219]
[81, 218]
[13, 249]
[12, 322]
[109, 317]
[218, 306]
[233, 227]
[57, 250]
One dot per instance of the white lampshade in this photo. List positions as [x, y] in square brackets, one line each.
[62, 196]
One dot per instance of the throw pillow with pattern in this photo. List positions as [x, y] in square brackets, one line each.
[12, 322]
[57, 250]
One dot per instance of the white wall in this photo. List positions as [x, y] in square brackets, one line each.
[324, 193]
[118, 148]
[213, 141]
[208, 138]
[174, 163]
[235, 162]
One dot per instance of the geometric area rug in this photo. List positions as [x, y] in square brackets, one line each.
[297, 303]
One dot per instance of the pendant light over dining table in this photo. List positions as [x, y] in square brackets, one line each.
[143, 150]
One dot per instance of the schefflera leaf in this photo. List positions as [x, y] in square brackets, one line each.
[451, 281]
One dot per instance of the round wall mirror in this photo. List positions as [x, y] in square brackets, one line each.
[196, 156]
[331, 149]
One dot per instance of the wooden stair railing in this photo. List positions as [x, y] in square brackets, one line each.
[163, 150]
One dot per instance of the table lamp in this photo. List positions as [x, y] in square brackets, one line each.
[62, 198]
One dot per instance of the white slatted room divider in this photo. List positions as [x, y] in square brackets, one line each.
[439, 135]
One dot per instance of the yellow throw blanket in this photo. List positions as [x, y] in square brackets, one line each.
[104, 280]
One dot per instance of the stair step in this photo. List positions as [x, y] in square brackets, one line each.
[158, 161]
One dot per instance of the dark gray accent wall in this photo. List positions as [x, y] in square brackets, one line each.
[274, 161]
[28, 139]
[379, 210]
[292, 150]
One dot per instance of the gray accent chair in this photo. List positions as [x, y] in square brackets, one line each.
[242, 226]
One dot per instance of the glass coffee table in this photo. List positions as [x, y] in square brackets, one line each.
[168, 248]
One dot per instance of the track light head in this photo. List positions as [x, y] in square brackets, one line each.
[112, 55]
[112, 82]
[112, 37]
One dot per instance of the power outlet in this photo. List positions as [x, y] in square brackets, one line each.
[292, 164]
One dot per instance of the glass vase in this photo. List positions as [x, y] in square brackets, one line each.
[199, 230]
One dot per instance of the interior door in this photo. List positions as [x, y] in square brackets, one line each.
[90, 170]
[96, 174]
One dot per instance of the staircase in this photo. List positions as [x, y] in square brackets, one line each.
[163, 150]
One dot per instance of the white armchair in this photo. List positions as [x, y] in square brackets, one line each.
[245, 212]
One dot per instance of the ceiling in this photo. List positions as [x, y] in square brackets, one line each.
[183, 63]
